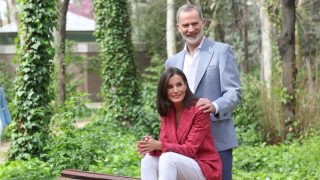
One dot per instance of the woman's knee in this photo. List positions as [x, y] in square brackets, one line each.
[168, 158]
[149, 161]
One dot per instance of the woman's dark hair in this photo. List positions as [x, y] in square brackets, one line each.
[163, 103]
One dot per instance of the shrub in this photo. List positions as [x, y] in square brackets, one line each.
[119, 157]
[247, 114]
[150, 121]
[6, 82]
[27, 170]
[96, 147]
[104, 145]
[299, 160]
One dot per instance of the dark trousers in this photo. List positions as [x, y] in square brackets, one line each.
[226, 158]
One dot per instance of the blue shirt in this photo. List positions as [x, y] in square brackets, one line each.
[5, 117]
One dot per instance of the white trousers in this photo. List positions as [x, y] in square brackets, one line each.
[170, 166]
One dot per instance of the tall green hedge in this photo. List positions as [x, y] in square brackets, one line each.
[119, 73]
[32, 87]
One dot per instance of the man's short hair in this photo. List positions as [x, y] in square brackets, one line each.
[189, 7]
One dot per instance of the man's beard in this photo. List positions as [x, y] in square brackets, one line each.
[194, 40]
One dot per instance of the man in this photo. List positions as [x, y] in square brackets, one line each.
[212, 75]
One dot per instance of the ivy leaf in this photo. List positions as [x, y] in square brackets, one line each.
[36, 45]
[25, 77]
[19, 93]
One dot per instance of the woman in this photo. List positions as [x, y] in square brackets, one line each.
[185, 149]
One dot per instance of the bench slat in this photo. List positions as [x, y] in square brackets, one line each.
[85, 175]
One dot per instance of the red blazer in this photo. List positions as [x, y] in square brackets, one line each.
[193, 139]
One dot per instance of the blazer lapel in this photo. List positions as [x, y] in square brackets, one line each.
[171, 128]
[205, 57]
[180, 60]
[185, 123]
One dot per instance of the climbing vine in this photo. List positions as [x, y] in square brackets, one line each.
[32, 86]
[119, 73]
[274, 12]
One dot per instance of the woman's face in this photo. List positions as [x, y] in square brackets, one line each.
[176, 89]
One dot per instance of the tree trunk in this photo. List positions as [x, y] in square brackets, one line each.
[33, 112]
[60, 38]
[245, 62]
[309, 75]
[12, 12]
[266, 46]
[298, 41]
[134, 20]
[216, 30]
[0, 20]
[287, 53]
[170, 34]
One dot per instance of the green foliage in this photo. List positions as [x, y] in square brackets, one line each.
[6, 82]
[119, 157]
[112, 149]
[153, 34]
[32, 112]
[120, 86]
[27, 170]
[76, 150]
[97, 147]
[6, 133]
[274, 12]
[67, 147]
[66, 115]
[60, 151]
[7, 85]
[248, 114]
[82, 64]
[299, 160]
[150, 123]
[72, 80]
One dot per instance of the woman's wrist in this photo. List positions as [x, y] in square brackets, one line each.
[159, 146]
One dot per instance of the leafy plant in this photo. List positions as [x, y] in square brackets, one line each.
[96, 147]
[31, 104]
[6, 82]
[150, 121]
[27, 170]
[7, 85]
[153, 34]
[120, 88]
[247, 116]
[120, 156]
[67, 114]
[72, 78]
[286, 161]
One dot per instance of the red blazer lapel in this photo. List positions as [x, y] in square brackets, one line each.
[185, 124]
[171, 128]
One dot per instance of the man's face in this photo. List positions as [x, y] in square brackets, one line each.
[191, 26]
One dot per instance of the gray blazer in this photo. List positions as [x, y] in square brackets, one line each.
[217, 79]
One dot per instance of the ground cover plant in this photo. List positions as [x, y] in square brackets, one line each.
[110, 148]
[299, 160]
[95, 148]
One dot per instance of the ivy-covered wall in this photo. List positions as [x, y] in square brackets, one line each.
[32, 87]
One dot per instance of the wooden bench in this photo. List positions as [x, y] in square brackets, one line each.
[70, 174]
